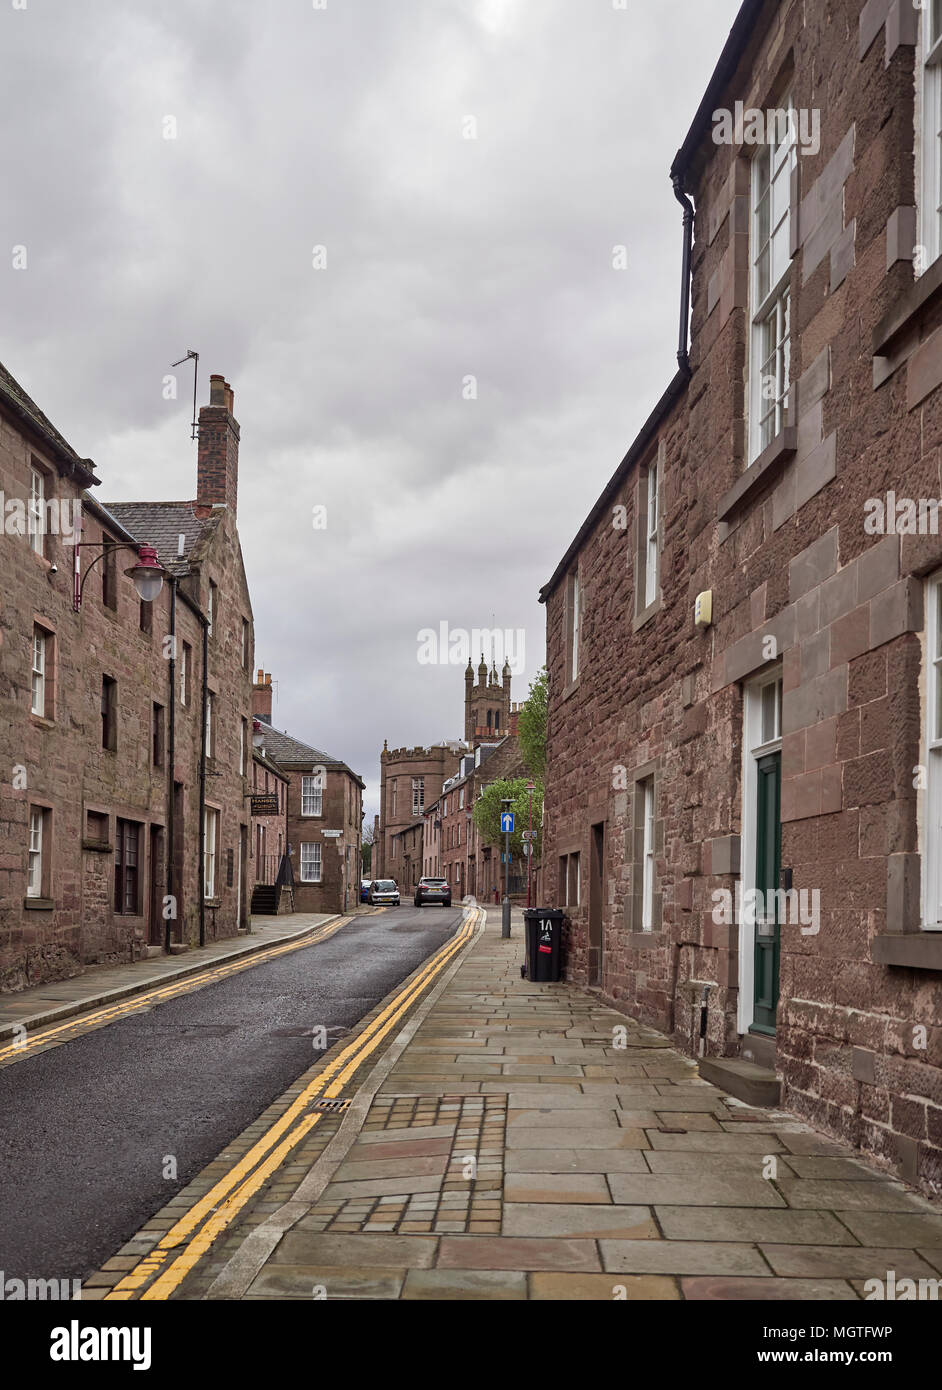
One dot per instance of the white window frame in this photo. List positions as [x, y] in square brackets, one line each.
[243, 730]
[210, 838]
[574, 630]
[36, 514]
[34, 877]
[211, 607]
[312, 795]
[930, 828]
[418, 796]
[929, 139]
[647, 854]
[757, 743]
[577, 877]
[651, 555]
[40, 638]
[210, 700]
[312, 860]
[771, 310]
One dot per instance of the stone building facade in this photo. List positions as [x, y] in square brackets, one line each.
[324, 813]
[742, 802]
[410, 779]
[103, 712]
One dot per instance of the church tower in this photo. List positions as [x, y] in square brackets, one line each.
[486, 704]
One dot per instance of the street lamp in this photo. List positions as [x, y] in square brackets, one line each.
[148, 574]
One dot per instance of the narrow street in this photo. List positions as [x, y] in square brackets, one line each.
[88, 1127]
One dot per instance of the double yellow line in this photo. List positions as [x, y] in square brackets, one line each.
[209, 1216]
[110, 1013]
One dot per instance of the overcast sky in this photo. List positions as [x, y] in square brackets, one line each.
[447, 258]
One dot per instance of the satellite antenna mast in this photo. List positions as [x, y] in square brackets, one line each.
[194, 431]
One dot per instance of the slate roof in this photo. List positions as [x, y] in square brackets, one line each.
[161, 524]
[26, 408]
[287, 750]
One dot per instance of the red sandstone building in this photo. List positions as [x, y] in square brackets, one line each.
[125, 720]
[323, 819]
[743, 787]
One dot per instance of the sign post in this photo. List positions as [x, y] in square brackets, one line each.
[507, 826]
[529, 838]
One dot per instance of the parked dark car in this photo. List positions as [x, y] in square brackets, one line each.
[433, 890]
[383, 890]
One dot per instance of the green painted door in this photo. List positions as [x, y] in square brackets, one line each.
[768, 863]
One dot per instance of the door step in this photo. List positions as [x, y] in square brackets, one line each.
[745, 1080]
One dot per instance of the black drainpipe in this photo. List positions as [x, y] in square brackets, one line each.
[683, 355]
[203, 783]
[195, 608]
[171, 746]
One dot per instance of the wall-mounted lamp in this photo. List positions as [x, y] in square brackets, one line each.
[148, 574]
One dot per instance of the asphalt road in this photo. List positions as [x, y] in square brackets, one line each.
[85, 1127]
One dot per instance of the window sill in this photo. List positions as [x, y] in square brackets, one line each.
[648, 613]
[40, 720]
[98, 846]
[760, 473]
[921, 295]
[39, 904]
[646, 938]
[918, 950]
[571, 688]
[212, 902]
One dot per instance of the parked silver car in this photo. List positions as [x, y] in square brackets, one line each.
[383, 890]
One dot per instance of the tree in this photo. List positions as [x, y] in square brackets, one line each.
[531, 726]
[488, 807]
[367, 838]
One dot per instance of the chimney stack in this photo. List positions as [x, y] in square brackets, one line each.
[217, 467]
[261, 696]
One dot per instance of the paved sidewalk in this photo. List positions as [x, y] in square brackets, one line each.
[50, 1003]
[529, 1143]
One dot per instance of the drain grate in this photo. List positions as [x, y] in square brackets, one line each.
[333, 1107]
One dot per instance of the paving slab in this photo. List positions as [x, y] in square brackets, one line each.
[845, 1262]
[896, 1228]
[376, 1251]
[509, 1252]
[752, 1225]
[328, 1281]
[681, 1257]
[772, 1289]
[602, 1287]
[680, 1162]
[465, 1285]
[561, 1119]
[575, 1161]
[834, 1194]
[597, 1222]
[708, 1190]
[553, 1137]
[556, 1187]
